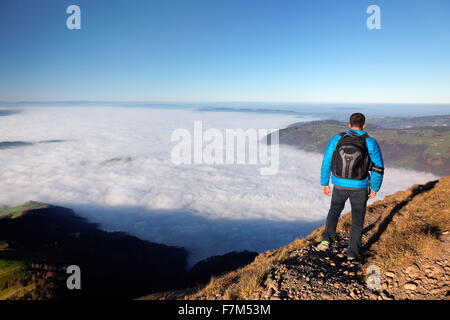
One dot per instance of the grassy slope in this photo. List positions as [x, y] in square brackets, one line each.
[11, 271]
[425, 148]
[411, 226]
[16, 212]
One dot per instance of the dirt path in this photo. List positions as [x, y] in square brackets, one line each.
[311, 274]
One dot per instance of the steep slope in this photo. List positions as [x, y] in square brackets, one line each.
[406, 238]
[38, 242]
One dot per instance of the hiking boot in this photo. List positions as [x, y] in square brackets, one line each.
[353, 260]
[323, 246]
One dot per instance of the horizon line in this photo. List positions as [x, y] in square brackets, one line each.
[214, 101]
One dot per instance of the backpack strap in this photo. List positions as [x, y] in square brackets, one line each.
[372, 166]
[354, 133]
[377, 169]
[365, 135]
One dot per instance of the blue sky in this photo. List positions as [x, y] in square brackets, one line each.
[225, 50]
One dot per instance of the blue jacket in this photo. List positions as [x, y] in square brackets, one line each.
[375, 156]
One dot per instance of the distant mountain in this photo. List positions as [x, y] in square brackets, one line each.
[411, 122]
[421, 148]
[14, 144]
[18, 144]
[8, 112]
[39, 241]
[247, 110]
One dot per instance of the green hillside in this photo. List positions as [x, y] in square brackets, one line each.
[16, 212]
[420, 148]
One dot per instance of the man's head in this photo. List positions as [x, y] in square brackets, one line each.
[357, 121]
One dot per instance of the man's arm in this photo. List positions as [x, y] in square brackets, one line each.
[326, 162]
[377, 159]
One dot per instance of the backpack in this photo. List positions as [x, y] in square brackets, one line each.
[351, 157]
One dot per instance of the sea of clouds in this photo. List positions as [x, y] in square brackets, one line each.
[114, 168]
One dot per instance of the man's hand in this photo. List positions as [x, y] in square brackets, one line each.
[372, 194]
[326, 190]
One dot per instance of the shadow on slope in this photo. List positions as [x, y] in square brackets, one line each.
[45, 239]
[201, 235]
[388, 219]
[113, 264]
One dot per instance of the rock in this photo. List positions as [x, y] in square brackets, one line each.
[353, 295]
[373, 296]
[390, 274]
[385, 295]
[325, 296]
[431, 279]
[435, 291]
[274, 286]
[428, 270]
[410, 286]
[412, 270]
[438, 269]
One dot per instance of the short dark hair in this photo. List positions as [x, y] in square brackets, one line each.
[357, 120]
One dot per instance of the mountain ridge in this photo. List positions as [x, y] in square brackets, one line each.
[39, 241]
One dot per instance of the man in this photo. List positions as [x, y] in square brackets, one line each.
[349, 157]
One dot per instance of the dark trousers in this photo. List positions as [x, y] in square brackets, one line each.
[358, 201]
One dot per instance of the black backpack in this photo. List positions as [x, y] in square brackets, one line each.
[351, 158]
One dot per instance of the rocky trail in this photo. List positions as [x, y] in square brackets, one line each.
[308, 273]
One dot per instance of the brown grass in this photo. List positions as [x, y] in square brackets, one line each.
[415, 229]
[245, 282]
